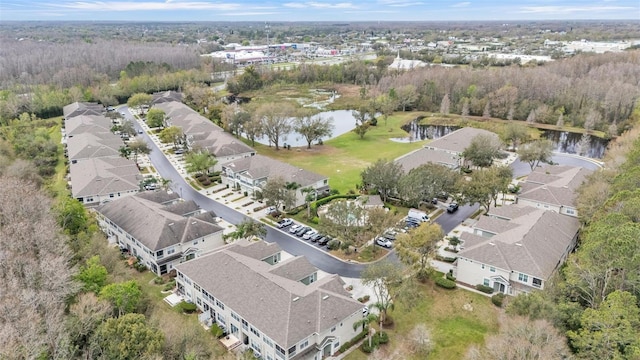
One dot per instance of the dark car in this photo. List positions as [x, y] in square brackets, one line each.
[434, 201]
[316, 237]
[302, 231]
[453, 207]
[324, 240]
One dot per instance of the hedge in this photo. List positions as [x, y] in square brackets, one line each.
[314, 205]
[353, 341]
[445, 258]
[188, 307]
[497, 299]
[217, 331]
[445, 283]
[484, 288]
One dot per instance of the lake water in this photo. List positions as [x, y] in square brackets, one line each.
[343, 122]
[563, 141]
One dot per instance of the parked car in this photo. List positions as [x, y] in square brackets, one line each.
[453, 207]
[434, 201]
[384, 242]
[325, 240]
[270, 209]
[302, 231]
[390, 234]
[315, 237]
[309, 234]
[284, 223]
[294, 229]
[178, 151]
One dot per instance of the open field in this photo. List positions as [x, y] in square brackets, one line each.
[342, 159]
[453, 329]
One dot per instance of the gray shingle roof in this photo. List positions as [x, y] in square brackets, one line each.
[460, 139]
[260, 167]
[534, 247]
[554, 184]
[105, 175]
[92, 145]
[423, 156]
[259, 250]
[87, 124]
[294, 269]
[285, 310]
[166, 96]
[204, 134]
[154, 226]
[80, 108]
[160, 197]
[182, 208]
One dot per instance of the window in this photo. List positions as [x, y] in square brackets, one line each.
[220, 305]
[221, 319]
[255, 346]
[196, 286]
[482, 266]
[235, 316]
[198, 301]
[280, 351]
[523, 277]
[267, 341]
[570, 212]
[304, 344]
[171, 251]
[159, 254]
[537, 282]
[245, 325]
[292, 350]
[255, 332]
[195, 242]
[485, 282]
[111, 195]
[333, 329]
[492, 269]
[336, 345]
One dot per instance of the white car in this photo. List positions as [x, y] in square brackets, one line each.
[309, 234]
[295, 228]
[270, 209]
[384, 242]
[284, 223]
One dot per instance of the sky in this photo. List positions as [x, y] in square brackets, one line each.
[317, 10]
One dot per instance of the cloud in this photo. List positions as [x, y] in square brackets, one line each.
[461, 4]
[319, 5]
[257, 13]
[570, 9]
[147, 5]
[400, 3]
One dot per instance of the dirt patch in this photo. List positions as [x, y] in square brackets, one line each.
[347, 90]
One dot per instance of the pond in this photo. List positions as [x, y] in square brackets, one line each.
[563, 141]
[343, 122]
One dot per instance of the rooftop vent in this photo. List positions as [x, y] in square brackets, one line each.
[171, 224]
[325, 297]
[296, 298]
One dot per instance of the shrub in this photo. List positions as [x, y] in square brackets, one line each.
[140, 267]
[169, 286]
[315, 220]
[353, 341]
[445, 258]
[216, 331]
[497, 299]
[381, 337]
[484, 288]
[188, 308]
[366, 348]
[450, 276]
[158, 280]
[366, 298]
[205, 182]
[445, 283]
[333, 244]
[245, 193]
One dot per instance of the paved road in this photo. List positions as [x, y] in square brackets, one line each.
[292, 244]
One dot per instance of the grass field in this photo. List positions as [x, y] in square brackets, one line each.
[343, 158]
[453, 329]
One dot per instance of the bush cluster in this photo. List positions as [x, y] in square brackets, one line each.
[217, 331]
[484, 288]
[445, 283]
[378, 339]
[498, 299]
[352, 342]
[188, 308]
[364, 299]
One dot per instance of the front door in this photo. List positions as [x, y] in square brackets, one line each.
[498, 287]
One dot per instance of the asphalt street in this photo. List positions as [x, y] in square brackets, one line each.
[291, 244]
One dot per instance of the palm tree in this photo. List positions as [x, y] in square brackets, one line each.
[165, 183]
[383, 309]
[364, 322]
[247, 229]
[311, 196]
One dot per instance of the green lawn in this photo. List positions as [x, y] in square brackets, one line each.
[453, 329]
[342, 159]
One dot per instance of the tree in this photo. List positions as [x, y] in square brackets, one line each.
[276, 193]
[426, 182]
[560, 123]
[406, 96]
[93, 275]
[387, 106]
[172, 134]
[72, 216]
[36, 277]
[465, 108]
[310, 194]
[139, 99]
[536, 152]
[363, 118]
[383, 277]
[365, 322]
[124, 151]
[249, 80]
[486, 113]
[85, 315]
[416, 248]
[276, 121]
[124, 296]
[592, 119]
[253, 129]
[127, 129]
[137, 147]
[127, 337]
[382, 176]
[421, 340]
[531, 118]
[516, 133]
[523, 339]
[482, 150]
[584, 144]
[610, 331]
[485, 185]
[156, 118]
[200, 162]
[344, 219]
[445, 105]
[234, 119]
[248, 229]
[313, 127]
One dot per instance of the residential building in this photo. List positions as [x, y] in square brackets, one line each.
[201, 134]
[251, 173]
[82, 108]
[103, 179]
[515, 248]
[279, 309]
[446, 150]
[93, 145]
[159, 229]
[553, 187]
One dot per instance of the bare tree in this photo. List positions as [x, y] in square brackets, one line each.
[465, 108]
[312, 127]
[560, 123]
[276, 121]
[421, 340]
[38, 278]
[445, 104]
